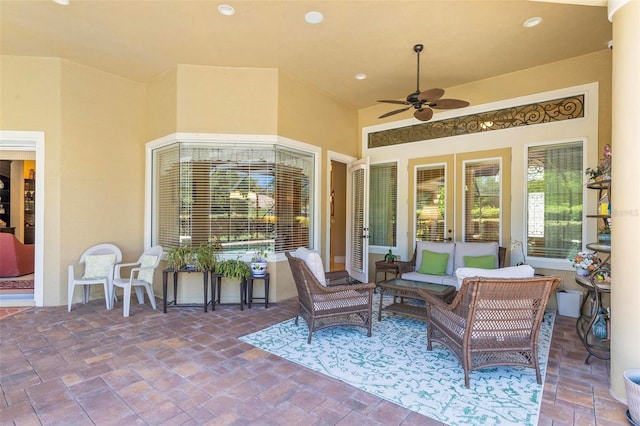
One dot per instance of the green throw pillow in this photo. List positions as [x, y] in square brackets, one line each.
[96, 266]
[433, 263]
[483, 262]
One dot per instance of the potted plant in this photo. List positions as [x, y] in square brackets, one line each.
[206, 257]
[604, 236]
[259, 263]
[390, 257]
[585, 263]
[233, 268]
[604, 167]
[178, 257]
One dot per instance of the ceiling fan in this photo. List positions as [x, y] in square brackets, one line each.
[424, 101]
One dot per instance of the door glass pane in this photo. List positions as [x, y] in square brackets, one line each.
[482, 200]
[430, 203]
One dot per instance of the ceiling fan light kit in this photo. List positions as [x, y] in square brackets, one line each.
[423, 102]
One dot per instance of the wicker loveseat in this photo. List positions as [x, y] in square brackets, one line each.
[491, 321]
[323, 305]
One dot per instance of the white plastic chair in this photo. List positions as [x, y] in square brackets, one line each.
[97, 267]
[140, 278]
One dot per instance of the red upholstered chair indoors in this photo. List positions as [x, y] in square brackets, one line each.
[16, 259]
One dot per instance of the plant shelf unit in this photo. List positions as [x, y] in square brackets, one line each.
[594, 327]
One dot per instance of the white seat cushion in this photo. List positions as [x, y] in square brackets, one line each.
[314, 262]
[522, 271]
[431, 279]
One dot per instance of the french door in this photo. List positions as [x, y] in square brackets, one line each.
[357, 250]
[460, 197]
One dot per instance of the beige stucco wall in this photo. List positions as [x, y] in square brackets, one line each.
[161, 105]
[309, 115]
[94, 154]
[227, 100]
[30, 99]
[101, 165]
[306, 114]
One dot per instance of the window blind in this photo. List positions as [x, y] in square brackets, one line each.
[245, 197]
[483, 189]
[357, 230]
[383, 205]
[554, 200]
[430, 203]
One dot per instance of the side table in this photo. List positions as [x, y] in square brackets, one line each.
[174, 302]
[216, 282]
[396, 268]
[265, 278]
[596, 345]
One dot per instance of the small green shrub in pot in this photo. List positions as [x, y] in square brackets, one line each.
[177, 257]
[206, 256]
[233, 268]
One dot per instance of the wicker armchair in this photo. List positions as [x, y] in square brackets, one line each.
[491, 321]
[332, 305]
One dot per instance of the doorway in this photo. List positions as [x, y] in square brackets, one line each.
[21, 146]
[338, 215]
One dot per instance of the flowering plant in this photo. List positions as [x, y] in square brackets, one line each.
[259, 256]
[586, 260]
[604, 165]
[514, 246]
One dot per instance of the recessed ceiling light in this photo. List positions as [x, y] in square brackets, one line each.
[313, 17]
[63, 2]
[532, 22]
[226, 10]
[361, 76]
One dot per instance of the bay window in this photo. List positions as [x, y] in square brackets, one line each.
[244, 197]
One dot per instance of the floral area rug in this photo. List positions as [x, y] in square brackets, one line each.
[394, 364]
[16, 284]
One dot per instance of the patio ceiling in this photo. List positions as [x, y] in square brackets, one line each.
[464, 40]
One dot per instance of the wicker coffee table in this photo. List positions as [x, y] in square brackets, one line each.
[406, 289]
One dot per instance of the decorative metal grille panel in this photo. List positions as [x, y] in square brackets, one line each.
[567, 108]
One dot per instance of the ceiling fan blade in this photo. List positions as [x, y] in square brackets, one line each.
[431, 95]
[449, 104]
[394, 112]
[423, 114]
[394, 102]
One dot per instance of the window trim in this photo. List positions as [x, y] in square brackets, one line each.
[236, 139]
